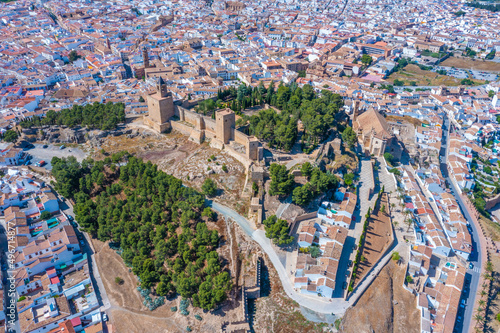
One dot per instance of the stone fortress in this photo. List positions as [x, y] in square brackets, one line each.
[164, 115]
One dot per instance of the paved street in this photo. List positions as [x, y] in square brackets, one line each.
[476, 259]
[67, 208]
[4, 245]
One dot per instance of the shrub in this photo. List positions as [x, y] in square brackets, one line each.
[255, 188]
[198, 317]
[409, 279]
[396, 256]
[22, 298]
[173, 309]
[314, 251]
[10, 136]
[119, 280]
[224, 168]
[183, 306]
[209, 187]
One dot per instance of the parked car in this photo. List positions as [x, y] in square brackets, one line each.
[44, 146]
[471, 266]
[62, 147]
[349, 264]
[344, 286]
[104, 316]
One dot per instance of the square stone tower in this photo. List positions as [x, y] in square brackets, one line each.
[224, 125]
[160, 107]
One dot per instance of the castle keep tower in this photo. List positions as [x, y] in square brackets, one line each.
[160, 107]
[224, 125]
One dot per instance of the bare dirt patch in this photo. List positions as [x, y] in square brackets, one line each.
[276, 312]
[425, 78]
[128, 314]
[385, 306]
[492, 231]
[408, 119]
[186, 160]
[471, 64]
[378, 238]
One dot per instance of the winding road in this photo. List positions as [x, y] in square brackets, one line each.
[336, 306]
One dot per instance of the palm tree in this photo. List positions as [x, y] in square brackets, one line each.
[489, 266]
[409, 222]
[481, 303]
[483, 293]
[478, 318]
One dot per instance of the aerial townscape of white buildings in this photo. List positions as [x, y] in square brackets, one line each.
[57, 54]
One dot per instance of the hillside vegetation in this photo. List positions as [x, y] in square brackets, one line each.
[154, 220]
[94, 116]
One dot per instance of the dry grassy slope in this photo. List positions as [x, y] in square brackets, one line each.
[385, 307]
[277, 313]
[492, 230]
[424, 78]
[411, 120]
[471, 64]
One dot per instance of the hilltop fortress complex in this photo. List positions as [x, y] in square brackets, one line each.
[164, 115]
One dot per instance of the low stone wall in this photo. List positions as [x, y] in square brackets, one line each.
[299, 218]
[238, 156]
[182, 128]
[492, 202]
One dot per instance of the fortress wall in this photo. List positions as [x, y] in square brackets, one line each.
[241, 138]
[209, 124]
[180, 127]
[239, 157]
[191, 117]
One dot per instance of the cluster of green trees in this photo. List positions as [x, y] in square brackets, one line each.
[282, 183]
[490, 55]
[277, 230]
[389, 158]
[96, 116]
[73, 56]
[467, 82]
[280, 130]
[388, 87]
[206, 105]
[349, 137]
[10, 136]
[155, 221]
[494, 7]
[470, 52]
[366, 59]
[318, 182]
[317, 112]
